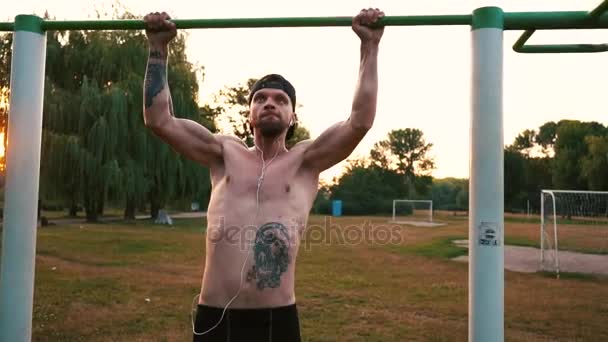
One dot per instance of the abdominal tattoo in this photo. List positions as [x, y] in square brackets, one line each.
[271, 255]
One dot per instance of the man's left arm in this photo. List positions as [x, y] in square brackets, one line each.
[338, 141]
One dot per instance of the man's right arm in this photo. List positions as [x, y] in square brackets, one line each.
[186, 137]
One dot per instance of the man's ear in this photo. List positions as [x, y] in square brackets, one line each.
[248, 123]
[294, 119]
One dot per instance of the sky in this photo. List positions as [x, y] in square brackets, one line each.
[424, 72]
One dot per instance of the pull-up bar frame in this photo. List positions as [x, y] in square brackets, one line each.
[529, 21]
[486, 182]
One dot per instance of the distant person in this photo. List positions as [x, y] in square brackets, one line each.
[261, 196]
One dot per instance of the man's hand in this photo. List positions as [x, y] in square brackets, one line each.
[362, 23]
[159, 29]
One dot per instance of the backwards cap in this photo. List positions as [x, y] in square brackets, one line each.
[274, 81]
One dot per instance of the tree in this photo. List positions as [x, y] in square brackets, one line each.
[570, 150]
[405, 151]
[515, 178]
[235, 104]
[595, 163]
[367, 189]
[299, 133]
[525, 141]
[6, 41]
[546, 136]
[95, 147]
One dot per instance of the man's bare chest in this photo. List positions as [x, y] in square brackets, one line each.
[276, 180]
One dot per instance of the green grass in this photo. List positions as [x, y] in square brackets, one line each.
[520, 241]
[439, 248]
[92, 284]
[520, 219]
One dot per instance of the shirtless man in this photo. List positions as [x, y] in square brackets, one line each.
[261, 196]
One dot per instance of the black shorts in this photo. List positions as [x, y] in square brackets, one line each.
[279, 324]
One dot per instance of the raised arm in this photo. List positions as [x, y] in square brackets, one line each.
[339, 140]
[186, 137]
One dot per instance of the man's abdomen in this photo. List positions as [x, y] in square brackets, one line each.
[259, 259]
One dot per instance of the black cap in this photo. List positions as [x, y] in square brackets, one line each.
[274, 81]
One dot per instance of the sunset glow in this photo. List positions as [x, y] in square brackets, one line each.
[4, 97]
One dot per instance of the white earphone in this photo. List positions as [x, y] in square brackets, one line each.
[257, 200]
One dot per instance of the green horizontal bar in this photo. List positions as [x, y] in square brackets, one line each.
[569, 48]
[513, 21]
[593, 19]
[258, 22]
[553, 21]
[7, 27]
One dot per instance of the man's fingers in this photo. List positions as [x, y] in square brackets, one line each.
[172, 27]
[369, 16]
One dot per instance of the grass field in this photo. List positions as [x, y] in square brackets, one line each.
[136, 282]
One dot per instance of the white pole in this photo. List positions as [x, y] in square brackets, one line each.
[542, 229]
[486, 186]
[22, 175]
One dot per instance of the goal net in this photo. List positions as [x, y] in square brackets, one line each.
[413, 211]
[572, 221]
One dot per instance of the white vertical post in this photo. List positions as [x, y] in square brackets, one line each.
[22, 176]
[486, 184]
[542, 229]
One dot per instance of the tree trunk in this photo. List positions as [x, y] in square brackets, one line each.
[91, 208]
[154, 208]
[100, 205]
[73, 210]
[129, 209]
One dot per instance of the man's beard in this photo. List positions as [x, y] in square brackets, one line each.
[270, 129]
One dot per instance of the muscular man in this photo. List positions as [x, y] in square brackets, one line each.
[261, 196]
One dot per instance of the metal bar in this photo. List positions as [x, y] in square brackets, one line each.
[553, 21]
[570, 48]
[513, 21]
[518, 46]
[575, 192]
[603, 7]
[22, 180]
[258, 22]
[486, 179]
[593, 19]
[7, 27]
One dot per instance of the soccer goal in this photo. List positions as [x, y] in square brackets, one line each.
[417, 212]
[572, 220]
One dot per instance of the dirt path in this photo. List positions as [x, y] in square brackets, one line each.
[527, 259]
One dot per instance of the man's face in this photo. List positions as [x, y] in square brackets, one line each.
[270, 112]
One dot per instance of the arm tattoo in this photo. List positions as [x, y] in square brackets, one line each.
[156, 54]
[156, 79]
[271, 255]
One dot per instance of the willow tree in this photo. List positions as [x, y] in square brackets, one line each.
[95, 146]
